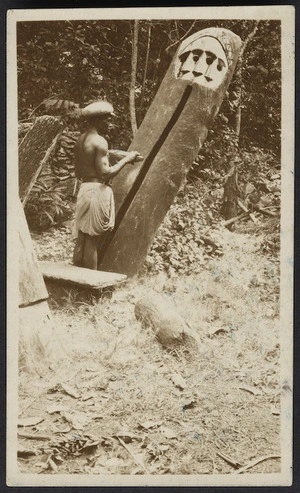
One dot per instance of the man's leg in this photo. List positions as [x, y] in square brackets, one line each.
[79, 249]
[90, 254]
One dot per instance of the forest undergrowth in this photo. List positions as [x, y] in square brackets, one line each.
[121, 403]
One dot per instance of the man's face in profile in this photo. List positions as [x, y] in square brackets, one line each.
[104, 124]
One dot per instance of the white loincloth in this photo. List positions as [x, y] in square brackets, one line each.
[95, 209]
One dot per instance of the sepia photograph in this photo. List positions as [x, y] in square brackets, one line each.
[150, 246]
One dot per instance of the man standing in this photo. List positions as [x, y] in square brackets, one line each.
[95, 208]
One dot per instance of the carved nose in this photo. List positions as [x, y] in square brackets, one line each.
[210, 70]
[201, 66]
[197, 74]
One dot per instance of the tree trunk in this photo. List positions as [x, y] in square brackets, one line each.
[231, 190]
[133, 77]
[146, 64]
[231, 193]
[239, 81]
[238, 120]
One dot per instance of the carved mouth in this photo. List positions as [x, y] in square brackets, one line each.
[194, 75]
[143, 172]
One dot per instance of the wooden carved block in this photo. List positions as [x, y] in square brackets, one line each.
[169, 138]
[32, 287]
[34, 151]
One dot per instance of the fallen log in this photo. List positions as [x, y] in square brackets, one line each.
[244, 208]
[169, 326]
[229, 460]
[236, 218]
[34, 436]
[208, 241]
[265, 211]
[254, 462]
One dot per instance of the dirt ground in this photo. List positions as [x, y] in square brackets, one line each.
[121, 403]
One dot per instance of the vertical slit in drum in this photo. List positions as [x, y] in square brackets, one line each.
[140, 178]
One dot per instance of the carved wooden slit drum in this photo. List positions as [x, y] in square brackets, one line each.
[170, 136]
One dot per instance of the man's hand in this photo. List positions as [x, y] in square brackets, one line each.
[134, 156]
[109, 172]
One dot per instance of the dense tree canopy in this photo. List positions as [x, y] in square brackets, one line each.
[82, 61]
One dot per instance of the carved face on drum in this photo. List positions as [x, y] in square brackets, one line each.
[202, 61]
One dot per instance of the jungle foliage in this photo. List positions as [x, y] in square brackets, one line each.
[83, 61]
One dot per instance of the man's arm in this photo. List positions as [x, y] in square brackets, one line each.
[115, 155]
[104, 171]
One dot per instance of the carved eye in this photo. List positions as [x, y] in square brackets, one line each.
[210, 57]
[184, 56]
[220, 65]
[196, 55]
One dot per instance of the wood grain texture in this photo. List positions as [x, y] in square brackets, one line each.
[79, 276]
[39, 342]
[31, 283]
[169, 326]
[34, 151]
[173, 131]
